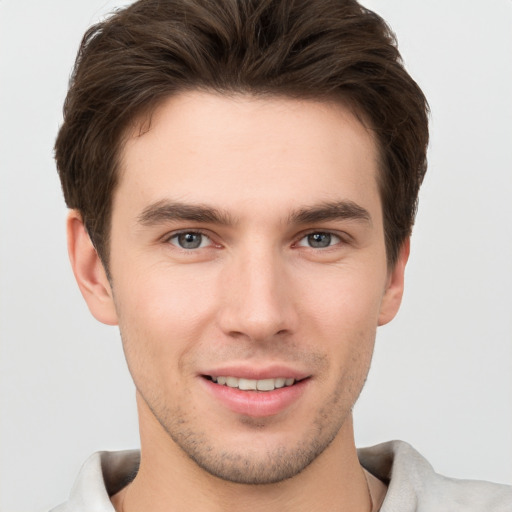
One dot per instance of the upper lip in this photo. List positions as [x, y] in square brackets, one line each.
[273, 371]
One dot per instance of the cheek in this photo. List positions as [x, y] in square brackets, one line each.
[340, 311]
[161, 317]
[342, 299]
[163, 297]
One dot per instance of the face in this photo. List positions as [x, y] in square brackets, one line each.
[248, 277]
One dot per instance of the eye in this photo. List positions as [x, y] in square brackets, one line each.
[190, 240]
[319, 240]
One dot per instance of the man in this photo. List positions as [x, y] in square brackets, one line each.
[242, 179]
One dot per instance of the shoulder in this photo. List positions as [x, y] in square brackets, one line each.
[102, 475]
[413, 485]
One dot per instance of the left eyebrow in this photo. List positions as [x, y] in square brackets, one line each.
[339, 210]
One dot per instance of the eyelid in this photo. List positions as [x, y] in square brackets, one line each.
[173, 234]
[344, 238]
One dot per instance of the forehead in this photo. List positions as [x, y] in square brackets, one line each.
[240, 150]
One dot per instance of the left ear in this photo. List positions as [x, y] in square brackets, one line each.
[395, 286]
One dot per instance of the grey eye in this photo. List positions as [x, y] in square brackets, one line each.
[319, 240]
[190, 240]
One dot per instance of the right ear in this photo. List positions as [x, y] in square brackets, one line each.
[89, 271]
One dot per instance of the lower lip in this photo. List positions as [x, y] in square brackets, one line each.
[257, 404]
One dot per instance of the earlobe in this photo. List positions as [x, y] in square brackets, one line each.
[395, 286]
[89, 271]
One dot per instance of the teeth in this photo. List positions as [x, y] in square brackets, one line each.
[232, 382]
[265, 385]
[252, 384]
[279, 383]
[247, 384]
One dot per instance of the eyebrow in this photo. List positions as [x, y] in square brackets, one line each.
[339, 210]
[166, 211]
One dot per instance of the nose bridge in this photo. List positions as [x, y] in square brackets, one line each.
[257, 302]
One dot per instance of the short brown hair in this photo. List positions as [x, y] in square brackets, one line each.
[321, 49]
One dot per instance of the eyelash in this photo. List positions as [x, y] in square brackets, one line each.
[175, 235]
[341, 239]
[330, 234]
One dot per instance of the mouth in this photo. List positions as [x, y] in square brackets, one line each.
[243, 384]
[265, 396]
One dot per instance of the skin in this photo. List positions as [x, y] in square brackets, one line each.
[253, 295]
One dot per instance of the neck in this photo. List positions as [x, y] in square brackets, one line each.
[169, 480]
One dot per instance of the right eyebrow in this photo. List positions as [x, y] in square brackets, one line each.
[166, 211]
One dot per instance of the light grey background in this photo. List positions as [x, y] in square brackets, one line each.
[442, 372]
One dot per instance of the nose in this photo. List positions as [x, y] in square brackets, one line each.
[257, 300]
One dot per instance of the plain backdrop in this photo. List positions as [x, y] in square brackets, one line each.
[441, 377]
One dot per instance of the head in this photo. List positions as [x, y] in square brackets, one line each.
[332, 50]
[247, 172]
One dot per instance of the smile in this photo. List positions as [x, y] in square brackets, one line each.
[256, 397]
[253, 384]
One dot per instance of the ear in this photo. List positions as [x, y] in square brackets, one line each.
[89, 271]
[395, 286]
